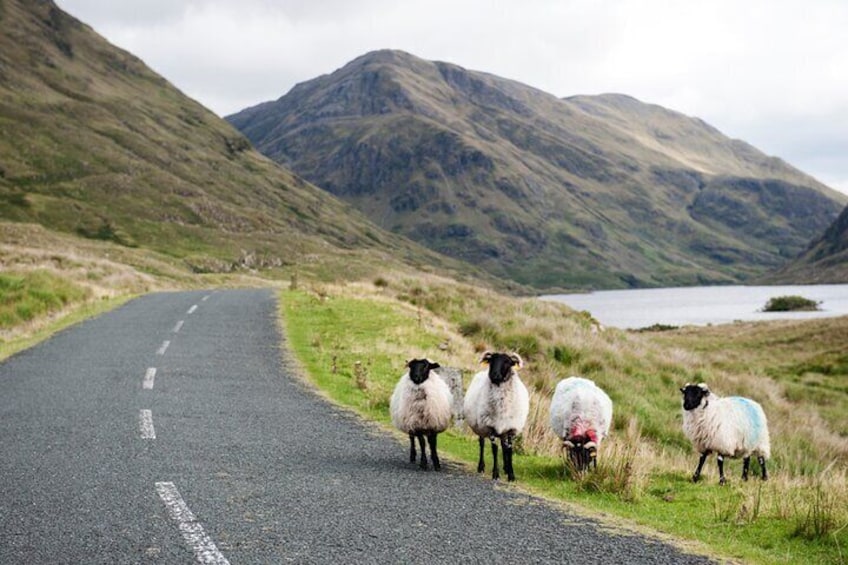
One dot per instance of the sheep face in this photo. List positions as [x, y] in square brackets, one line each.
[694, 395]
[501, 365]
[582, 453]
[419, 369]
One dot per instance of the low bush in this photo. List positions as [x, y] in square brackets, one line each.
[790, 304]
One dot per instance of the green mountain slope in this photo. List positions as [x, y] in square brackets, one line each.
[600, 191]
[825, 261]
[94, 143]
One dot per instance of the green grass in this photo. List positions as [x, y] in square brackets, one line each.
[77, 314]
[27, 295]
[644, 468]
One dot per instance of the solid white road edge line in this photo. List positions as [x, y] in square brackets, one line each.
[192, 309]
[179, 326]
[145, 424]
[161, 350]
[204, 548]
[149, 376]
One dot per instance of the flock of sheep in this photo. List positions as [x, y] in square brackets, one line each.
[497, 403]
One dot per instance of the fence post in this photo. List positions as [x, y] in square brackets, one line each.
[453, 377]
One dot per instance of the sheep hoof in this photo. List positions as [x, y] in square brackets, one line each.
[696, 478]
[722, 481]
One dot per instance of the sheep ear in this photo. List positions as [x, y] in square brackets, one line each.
[683, 389]
[487, 356]
[408, 361]
[434, 366]
[516, 358]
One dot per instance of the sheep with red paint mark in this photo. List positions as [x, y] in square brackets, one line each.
[731, 426]
[421, 406]
[581, 415]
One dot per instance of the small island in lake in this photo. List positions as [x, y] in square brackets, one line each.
[791, 304]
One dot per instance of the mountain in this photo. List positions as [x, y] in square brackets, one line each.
[591, 191]
[94, 143]
[825, 261]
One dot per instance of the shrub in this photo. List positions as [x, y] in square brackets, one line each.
[790, 304]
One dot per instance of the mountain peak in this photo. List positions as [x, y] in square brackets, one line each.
[543, 190]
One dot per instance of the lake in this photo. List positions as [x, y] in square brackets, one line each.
[701, 305]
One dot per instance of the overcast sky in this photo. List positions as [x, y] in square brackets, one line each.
[771, 72]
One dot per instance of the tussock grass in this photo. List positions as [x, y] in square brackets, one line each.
[644, 467]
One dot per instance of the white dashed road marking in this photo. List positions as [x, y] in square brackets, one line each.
[145, 424]
[149, 376]
[205, 298]
[178, 326]
[192, 309]
[204, 548]
[161, 350]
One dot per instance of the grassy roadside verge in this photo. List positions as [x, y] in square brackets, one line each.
[797, 517]
[35, 304]
[68, 317]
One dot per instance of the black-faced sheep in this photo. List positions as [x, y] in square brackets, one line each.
[496, 407]
[581, 414]
[421, 406]
[731, 427]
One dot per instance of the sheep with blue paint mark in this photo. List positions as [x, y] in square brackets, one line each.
[421, 407]
[581, 414]
[731, 426]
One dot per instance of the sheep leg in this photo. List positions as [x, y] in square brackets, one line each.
[721, 479]
[495, 473]
[697, 476]
[506, 443]
[480, 465]
[423, 451]
[762, 461]
[411, 447]
[746, 463]
[431, 438]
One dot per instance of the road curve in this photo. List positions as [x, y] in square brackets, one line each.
[170, 431]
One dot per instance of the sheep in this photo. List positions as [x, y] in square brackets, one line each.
[496, 406]
[421, 406]
[731, 427]
[581, 414]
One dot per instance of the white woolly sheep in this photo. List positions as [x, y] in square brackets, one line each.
[496, 407]
[731, 427]
[421, 406]
[581, 414]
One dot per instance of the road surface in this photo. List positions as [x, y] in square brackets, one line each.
[171, 431]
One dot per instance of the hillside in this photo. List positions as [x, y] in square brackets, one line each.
[94, 143]
[825, 261]
[591, 191]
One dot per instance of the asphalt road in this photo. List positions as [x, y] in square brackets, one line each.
[221, 455]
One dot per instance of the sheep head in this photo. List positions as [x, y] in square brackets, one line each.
[419, 369]
[582, 453]
[501, 365]
[694, 395]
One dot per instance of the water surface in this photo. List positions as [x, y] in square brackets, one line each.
[700, 305]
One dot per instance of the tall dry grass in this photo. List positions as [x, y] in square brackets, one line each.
[642, 375]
